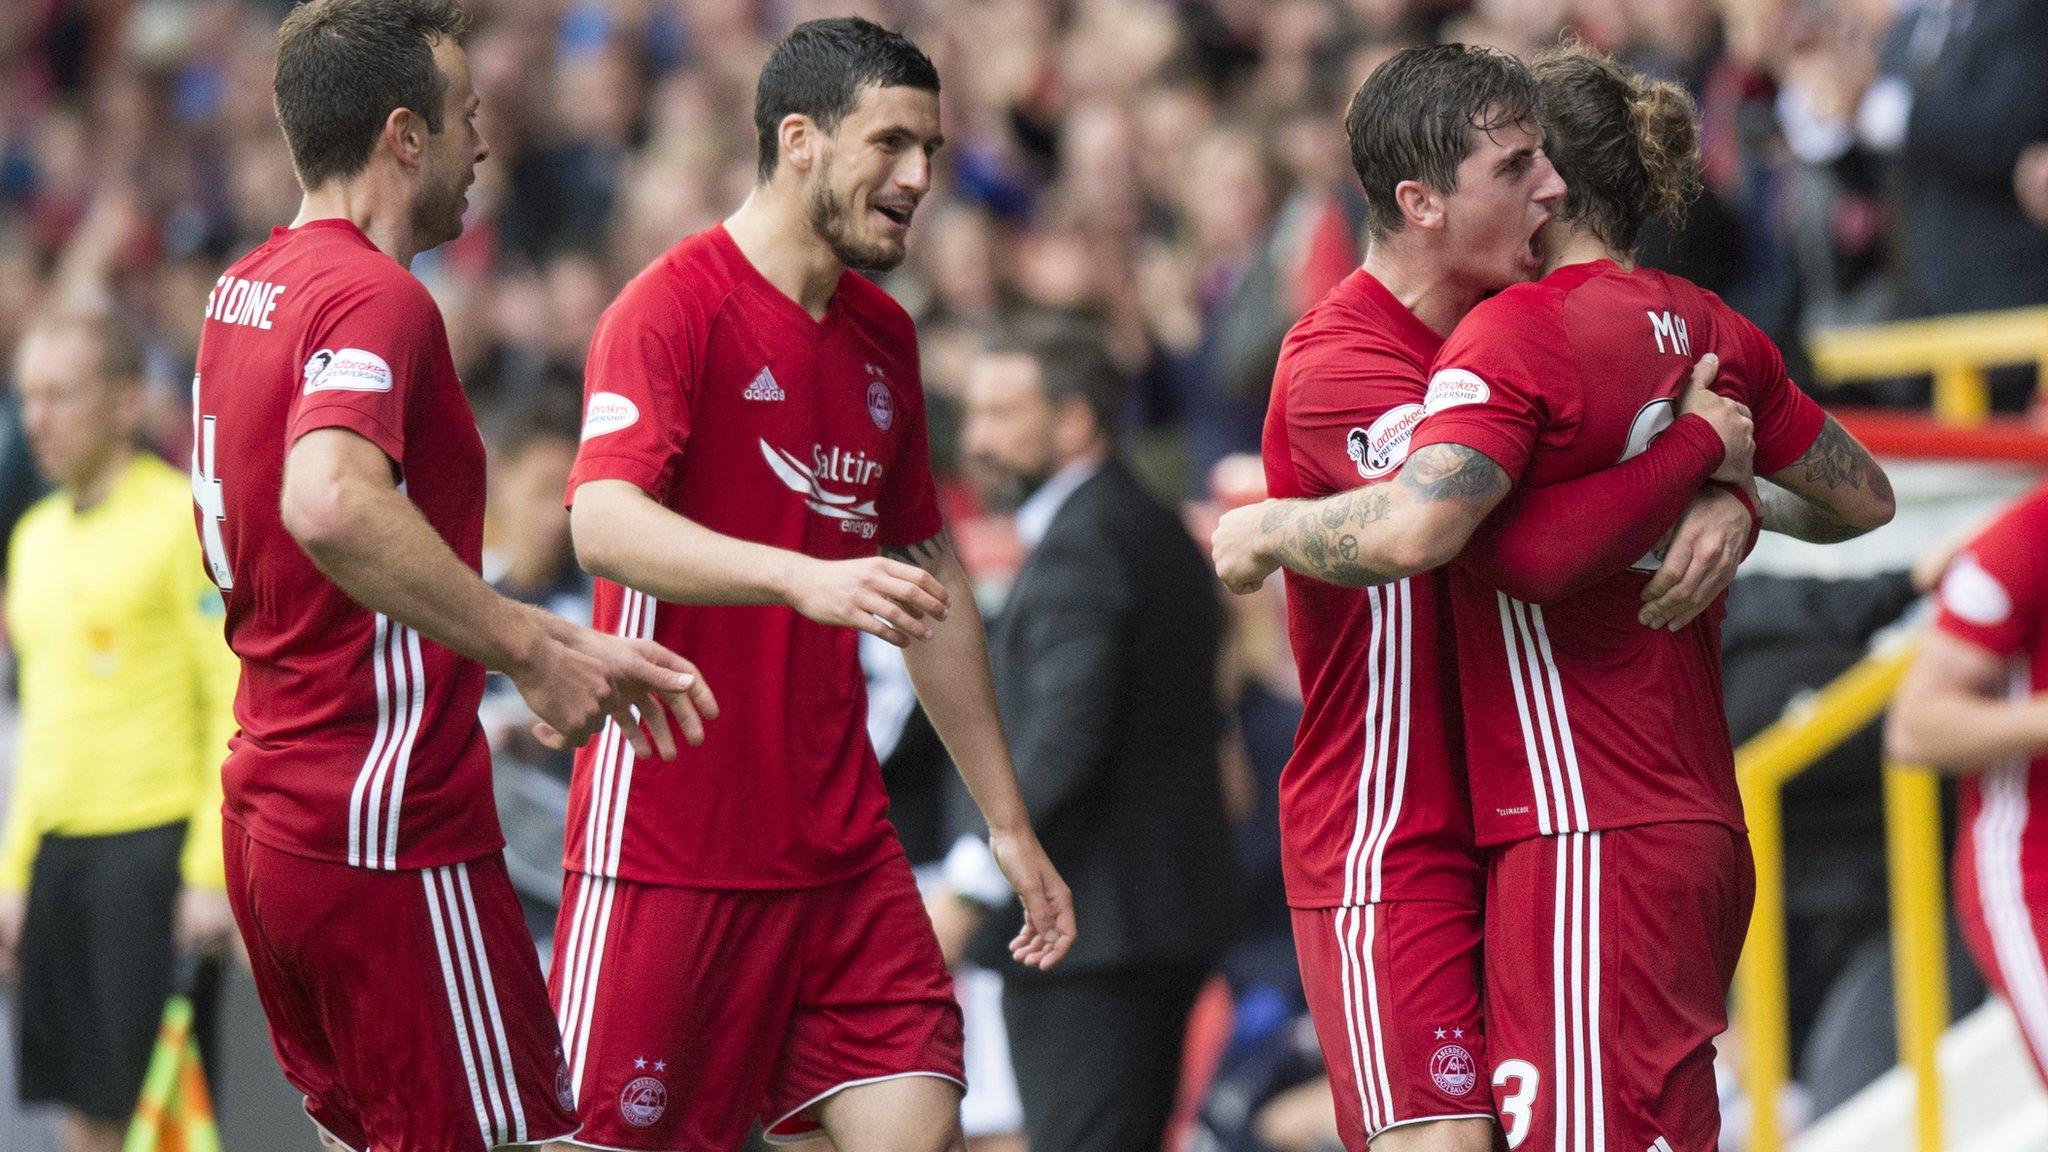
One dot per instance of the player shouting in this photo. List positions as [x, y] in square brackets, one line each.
[1619, 885]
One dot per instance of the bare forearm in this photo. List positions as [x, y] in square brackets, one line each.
[1384, 532]
[951, 674]
[386, 557]
[1789, 514]
[1833, 492]
[623, 536]
[1962, 734]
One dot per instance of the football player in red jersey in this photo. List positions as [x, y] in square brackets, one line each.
[1619, 882]
[1975, 704]
[741, 939]
[1382, 873]
[339, 483]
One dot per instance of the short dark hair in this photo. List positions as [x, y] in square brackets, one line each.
[1073, 364]
[1627, 146]
[343, 66]
[1414, 119]
[819, 69]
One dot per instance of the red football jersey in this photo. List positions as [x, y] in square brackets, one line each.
[725, 401]
[1578, 718]
[359, 738]
[1372, 803]
[1995, 595]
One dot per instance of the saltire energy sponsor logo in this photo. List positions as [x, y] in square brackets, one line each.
[837, 466]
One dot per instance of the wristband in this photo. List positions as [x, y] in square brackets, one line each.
[1756, 518]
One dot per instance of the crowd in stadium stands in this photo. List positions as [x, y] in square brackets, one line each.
[1170, 171]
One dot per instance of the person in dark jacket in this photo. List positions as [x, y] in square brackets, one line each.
[1105, 656]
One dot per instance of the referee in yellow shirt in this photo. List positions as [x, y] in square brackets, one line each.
[111, 858]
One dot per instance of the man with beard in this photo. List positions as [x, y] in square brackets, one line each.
[339, 480]
[741, 938]
[1105, 667]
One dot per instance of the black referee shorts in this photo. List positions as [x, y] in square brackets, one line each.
[96, 966]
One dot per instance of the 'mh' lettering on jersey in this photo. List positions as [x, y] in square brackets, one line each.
[246, 302]
[1669, 329]
[838, 466]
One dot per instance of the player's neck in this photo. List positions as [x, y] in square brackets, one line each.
[380, 215]
[1422, 285]
[1582, 247]
[773, 231]
[89, 490]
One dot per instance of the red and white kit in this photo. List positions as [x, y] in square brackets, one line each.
[725, 401]
[360, 774]
[1995, 595]
[1585, 727]
[1376, 841]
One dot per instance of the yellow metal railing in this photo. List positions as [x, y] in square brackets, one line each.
[1913, 856]
[1954, 350]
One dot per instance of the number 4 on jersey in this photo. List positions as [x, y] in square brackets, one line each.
[206, 492]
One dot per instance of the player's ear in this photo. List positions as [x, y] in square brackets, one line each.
[798, 137]
[405, 133]
[1420, 204]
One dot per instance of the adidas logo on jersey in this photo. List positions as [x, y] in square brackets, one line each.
[764, 387]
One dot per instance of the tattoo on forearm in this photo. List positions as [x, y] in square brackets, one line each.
[926, 555]
[1455, 472]
[1319, 538]
[1790, 514]
[1836, 460]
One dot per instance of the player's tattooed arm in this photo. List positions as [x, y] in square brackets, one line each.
[1834, 491]
[929, 555]
[1365, 536]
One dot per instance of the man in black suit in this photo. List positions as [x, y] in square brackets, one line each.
[1105, 663]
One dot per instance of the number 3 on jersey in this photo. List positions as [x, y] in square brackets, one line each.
[1650, 422]
[206, 492]
[1517, 1106]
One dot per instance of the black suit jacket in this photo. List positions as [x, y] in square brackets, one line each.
[1968, 245]
[1105, 666]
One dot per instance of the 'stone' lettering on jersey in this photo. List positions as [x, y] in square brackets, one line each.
[247, 302]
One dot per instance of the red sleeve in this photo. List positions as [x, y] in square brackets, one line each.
[1787, 419]
[1995, 592]
[369, 352]
[1350, 414]
[1549, 542]
[639, 385]
[909, 503]
[1497, 379]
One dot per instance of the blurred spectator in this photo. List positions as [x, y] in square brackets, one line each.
[1105, 661]
[111, 858]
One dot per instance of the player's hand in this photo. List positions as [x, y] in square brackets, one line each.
[13, 910]
[1699, 564]
[1237, 547]
[652, 692]
[202, 921]
[876, 595]
[1730, 418]
[1048, 905]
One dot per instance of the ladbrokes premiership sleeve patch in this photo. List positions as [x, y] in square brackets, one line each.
[1452, 387]
[1974, 595]
[1377, 451]
[347, 370]
[608, 412]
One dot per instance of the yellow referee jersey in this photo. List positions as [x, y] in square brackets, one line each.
[127, 686]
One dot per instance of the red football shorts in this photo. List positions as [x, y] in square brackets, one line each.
[1608, 960]
[691, 1013]
[2001, 893]
[1393, 989]
[408, 1006]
